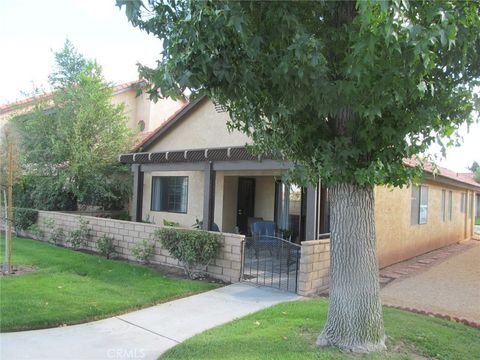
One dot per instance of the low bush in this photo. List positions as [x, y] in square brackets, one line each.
[24, 218]
[144, 251]
[57, 235]
[106, 246]
[36, 232]
[80, 236]
[121, 216]
[194, 249]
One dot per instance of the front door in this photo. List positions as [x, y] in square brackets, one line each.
[245, 203]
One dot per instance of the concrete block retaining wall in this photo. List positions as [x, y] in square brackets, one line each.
[126, 233]
[314, 270]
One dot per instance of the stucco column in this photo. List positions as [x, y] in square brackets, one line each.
[137, 198]
[208, 196]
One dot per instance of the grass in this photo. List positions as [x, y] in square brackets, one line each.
[477, 221]
[69, 287]
[288, 331]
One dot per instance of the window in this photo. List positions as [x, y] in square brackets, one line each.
[170, 194]
[141, 125]
[419, 214]
[463, 200]
[423, 215]
[443, 204]
[450, 205]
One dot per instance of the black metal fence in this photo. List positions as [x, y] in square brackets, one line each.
[271, 261]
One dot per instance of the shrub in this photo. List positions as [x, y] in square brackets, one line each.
[57, 235]
[144, 251]
[80, 236]
[194, 249]
[170, 223]
[105, 246]
[121, 216]
[36, 232]
[24, 218]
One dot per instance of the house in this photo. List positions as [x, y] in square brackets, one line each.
[192, 168]
[142, 114]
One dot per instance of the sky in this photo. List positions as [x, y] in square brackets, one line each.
[30, 30]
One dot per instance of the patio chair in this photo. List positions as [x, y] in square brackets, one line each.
[263, 236]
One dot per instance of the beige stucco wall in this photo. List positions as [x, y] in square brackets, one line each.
[161, 111]
[137, 108]
[202, 128]
[398, 239]
[141, 108]
[229, 211]
[226, 192]
[194, 205]
[226, 188]
[130, 103]
[265, 197]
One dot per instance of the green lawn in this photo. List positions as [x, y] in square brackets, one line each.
[72, 287]
[289, 330]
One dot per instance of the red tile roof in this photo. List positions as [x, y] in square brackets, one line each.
[31, 100]
[466, 178]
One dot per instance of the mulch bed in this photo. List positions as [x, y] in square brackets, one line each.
[19, 270]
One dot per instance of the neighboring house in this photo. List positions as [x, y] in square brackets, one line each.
[142, 114]
[193, 168]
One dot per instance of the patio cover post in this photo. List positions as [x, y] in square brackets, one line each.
[311, 213]
[137, 197]
[208, 197]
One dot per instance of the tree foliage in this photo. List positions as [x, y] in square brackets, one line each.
[288, 72]
[70, 141]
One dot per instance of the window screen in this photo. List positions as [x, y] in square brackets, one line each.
[419, 213]
[415, 204]
[423, 213]
[169, 193]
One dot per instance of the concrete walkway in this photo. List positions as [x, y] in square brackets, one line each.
[451, 287]
[143, 334]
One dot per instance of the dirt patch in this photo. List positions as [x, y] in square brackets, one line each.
[179, 273]
[397, 348]
[19, 270]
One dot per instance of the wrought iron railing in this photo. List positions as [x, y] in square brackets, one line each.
[271, 261]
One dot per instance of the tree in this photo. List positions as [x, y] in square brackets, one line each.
[475, 168]
[70, 142]
[8, 165]
[345, 90]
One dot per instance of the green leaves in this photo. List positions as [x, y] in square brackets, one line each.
[346, 92]
[195, 249]
[70, 142]
[422, 87]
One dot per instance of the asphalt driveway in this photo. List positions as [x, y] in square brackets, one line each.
[451, 287]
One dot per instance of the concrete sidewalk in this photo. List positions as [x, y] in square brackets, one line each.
[450, 287]
[143, 334]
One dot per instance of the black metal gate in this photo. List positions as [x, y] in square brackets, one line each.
[271, 261]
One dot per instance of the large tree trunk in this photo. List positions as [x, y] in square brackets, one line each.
[355, 320]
